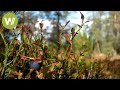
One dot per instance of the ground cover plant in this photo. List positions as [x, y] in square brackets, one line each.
[32, 57]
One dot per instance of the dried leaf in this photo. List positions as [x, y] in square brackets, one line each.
[19, 74]
[67, 23]
[41, 25]
[28, 75]
[82, 17]
[67, 36]
[73, 34]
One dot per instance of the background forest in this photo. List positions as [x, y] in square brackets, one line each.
[63, 49]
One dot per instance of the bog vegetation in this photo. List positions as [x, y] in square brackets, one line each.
[67, 53]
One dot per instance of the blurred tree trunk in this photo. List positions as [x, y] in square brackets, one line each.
[58, 19]
[115, 23]
[58, 31]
